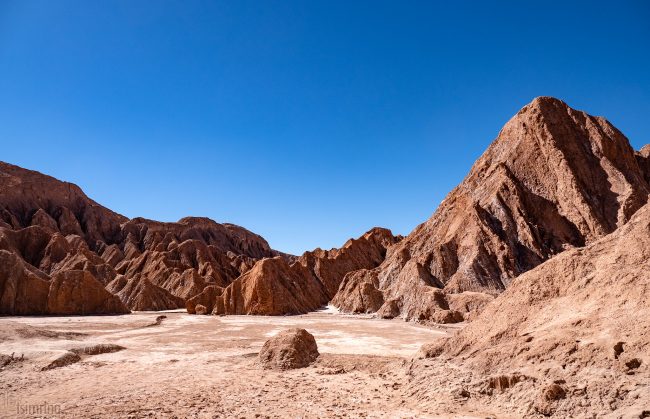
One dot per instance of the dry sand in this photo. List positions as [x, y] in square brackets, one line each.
[206, 366]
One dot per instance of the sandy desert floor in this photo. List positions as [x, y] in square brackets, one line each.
[206, 366]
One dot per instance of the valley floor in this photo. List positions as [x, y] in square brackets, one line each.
[206, 366]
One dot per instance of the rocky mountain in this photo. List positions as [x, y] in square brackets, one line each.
[555, 178]
[50, 228]
[579, 323]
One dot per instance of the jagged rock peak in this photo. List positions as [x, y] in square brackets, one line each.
[554, 178]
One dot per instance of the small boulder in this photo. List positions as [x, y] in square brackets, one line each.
[290, 349]
[200, 309]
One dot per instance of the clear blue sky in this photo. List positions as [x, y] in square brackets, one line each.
[308, 122]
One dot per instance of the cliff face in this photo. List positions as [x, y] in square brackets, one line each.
[554, 178]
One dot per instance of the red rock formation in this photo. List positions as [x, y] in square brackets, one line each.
[554, 178]
[366, 252]
[55, 228]
[25, 192]
[206, 298]
[78, 292]
[272, 287]
[275, 287]
[25, 290]
[139, 294]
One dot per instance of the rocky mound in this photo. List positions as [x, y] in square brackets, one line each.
[290, 349]
[273, 286]
[54, 228]
[555, 178]
[580, 322]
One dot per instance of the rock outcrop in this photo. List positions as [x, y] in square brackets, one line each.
[643, 158]
[290, 349]
[25, 290]
[140, 294]
[78, 292]
[273, 286]
[53, 228]
[555, 178]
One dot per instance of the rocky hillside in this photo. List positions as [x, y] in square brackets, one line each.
[50, 228]
[555, 178]
[569, 337]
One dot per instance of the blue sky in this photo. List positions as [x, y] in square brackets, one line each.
[308, 122]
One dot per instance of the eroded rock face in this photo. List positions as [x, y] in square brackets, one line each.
[581, 317]
[55, 228]
[24, 290]
[552, 307]
[555, 178]
[643, 158]
[78, 292]
[290, 349]
[366, 252]
[274, 286]
[140, 294]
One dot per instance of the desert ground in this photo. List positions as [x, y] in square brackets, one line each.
[206, 366]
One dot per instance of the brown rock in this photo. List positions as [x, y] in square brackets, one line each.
[200, 309]
[555, 178]
[43, 219]
[272, 287]
[366, 252]
[359, 293]
[56, 251]
[207, 298]
[55, 227]
[139, 294]
[78, 292]
[643, 158]
[22, 290]
[469, 303]
[112, 255]
[25, 192]
[290, 349]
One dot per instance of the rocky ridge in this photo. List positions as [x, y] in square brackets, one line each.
[52, 228]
